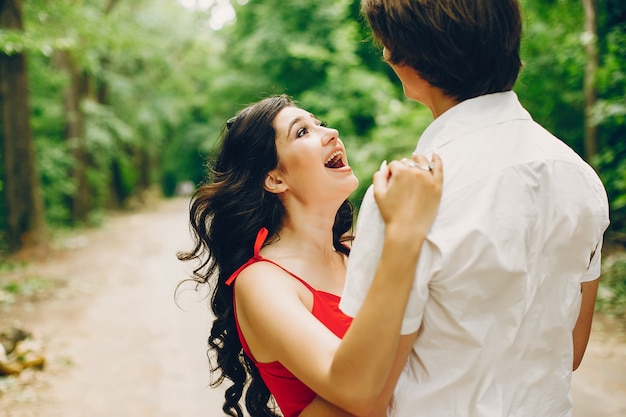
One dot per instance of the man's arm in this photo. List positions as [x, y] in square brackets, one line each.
[582, 329]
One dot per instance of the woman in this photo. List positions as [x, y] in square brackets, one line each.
[271, 228]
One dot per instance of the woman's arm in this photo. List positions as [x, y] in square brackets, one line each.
[350, 372]
[322, 408]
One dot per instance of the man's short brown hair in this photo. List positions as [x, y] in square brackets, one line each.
[466, 48]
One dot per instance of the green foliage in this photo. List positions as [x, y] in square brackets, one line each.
[55, 162]
[16, 42]
[612, 289]
[316, 52]
[15, 282]
[611, 163]
[3, 226]
[30, 286]
[159, 84]
[610, 115]
[550, 83]
[551, 86]
[143, 69]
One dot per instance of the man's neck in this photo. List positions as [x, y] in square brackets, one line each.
[441, 103]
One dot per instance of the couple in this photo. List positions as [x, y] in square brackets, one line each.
[471, 298]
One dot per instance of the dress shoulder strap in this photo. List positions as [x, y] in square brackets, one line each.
[258, 244]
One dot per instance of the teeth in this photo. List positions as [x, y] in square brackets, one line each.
[333, 156]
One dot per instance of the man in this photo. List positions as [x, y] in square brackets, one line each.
[503, 296]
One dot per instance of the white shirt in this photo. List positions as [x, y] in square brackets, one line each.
[497, 288]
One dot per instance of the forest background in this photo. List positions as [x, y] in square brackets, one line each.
[104, 102]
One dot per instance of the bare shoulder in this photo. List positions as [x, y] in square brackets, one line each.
[267, 281]
[272, 307]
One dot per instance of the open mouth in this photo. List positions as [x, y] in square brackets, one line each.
[335, 160]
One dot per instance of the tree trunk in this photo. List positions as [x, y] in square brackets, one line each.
[589, 88]
[73, 96]
[116, 195]
[24, 200]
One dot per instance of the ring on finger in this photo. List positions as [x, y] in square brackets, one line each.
[425, 167]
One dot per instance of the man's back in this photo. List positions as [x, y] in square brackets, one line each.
[497, 290]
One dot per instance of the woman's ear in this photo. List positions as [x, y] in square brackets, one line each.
[274, 183]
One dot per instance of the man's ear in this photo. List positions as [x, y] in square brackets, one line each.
[274, 183]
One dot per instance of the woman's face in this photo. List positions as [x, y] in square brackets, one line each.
[312, 160]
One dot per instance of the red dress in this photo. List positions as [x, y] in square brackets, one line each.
[291, 395]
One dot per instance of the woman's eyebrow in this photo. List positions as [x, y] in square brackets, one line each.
[293, 122]
[296, 120]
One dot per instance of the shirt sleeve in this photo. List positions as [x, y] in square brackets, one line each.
[364, 258]
[593, 272]
[364, 255]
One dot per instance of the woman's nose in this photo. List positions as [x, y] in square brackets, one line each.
[330, 135]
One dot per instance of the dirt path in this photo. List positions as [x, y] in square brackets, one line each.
[117, 345]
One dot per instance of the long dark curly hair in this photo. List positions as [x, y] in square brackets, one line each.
[226, 213]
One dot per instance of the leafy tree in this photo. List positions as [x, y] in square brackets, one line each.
[126, 95]
[609, 113]
[319, 53]
[552, 85]
[23, 204]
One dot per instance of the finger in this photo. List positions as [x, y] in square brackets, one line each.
[421, 162]
[383, 166]
[380, 180]
[437, 167]
[396, 166]
[419, 158]
[383, 171]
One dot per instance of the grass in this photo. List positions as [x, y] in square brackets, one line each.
[15, 282]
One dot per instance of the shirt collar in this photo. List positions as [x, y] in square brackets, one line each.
[471, 115]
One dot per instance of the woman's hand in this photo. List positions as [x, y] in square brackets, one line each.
[408, 193]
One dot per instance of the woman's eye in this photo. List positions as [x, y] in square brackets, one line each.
[301, 132]
[323, 124]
